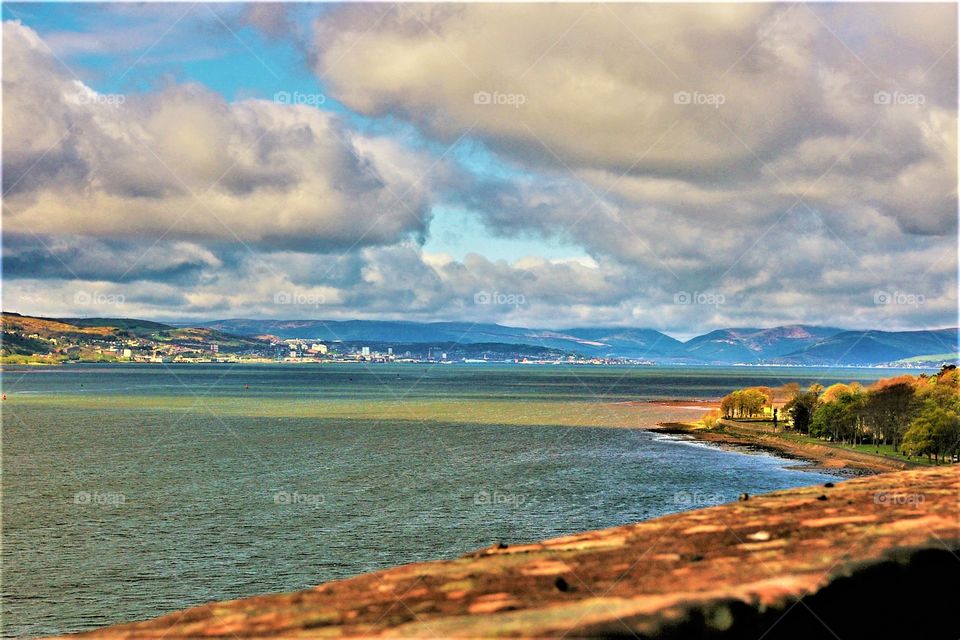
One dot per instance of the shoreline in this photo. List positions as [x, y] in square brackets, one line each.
[821, 457]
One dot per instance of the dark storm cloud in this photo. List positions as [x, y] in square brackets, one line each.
[66, 257]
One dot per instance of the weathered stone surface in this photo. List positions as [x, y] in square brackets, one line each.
[877, 556]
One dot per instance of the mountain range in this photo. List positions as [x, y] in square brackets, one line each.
[785, 345]
[623, 342]
[792, 344]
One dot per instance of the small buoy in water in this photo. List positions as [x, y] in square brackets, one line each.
[744, 497]
[246, 386]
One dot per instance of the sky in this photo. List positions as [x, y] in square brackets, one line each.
[679, 167]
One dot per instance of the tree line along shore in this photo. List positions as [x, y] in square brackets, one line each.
[914, 418]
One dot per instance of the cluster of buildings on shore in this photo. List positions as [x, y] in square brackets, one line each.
[305, 350]
[300, 350]
[150, 350]
[320, 351]
[147, 351]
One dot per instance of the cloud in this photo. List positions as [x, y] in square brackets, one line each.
[184, 163]
[87, 258]
[181, 281]
[795, 198]
[762, 102]
[270, 18]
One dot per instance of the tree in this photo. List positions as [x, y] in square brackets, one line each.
[753, 401]
[936, 431]
[841, 419]
[728, 405]
[800, 408]
[891, 405]
[710, 418]
[918, 440]
[746, 403]
[832, 392]
[936, 428]
[786, 391]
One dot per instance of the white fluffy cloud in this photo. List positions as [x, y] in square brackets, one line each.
[184, 163]
[731, 111]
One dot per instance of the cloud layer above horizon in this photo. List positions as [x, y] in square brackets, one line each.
[681, 167]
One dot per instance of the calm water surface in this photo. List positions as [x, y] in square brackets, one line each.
[120, 504]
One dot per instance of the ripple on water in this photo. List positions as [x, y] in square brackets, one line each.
[115, 515]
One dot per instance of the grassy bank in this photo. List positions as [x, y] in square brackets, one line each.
[824, 455]
[884, 450]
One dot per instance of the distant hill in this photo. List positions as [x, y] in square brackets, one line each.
[748, 345]
[203, 337]
[874, 347]
[129, 324]
[930, 361]
[51, 327]
[83, 337]
[626, 342]
[793, 344]
[636, 342]
[26, 335]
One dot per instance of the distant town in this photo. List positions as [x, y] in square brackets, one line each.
[316, 351]
[297, 350]
[29, 340]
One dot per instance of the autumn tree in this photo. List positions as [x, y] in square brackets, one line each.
[746, 403]
[710, 418]
[890, 407]
[936, 429]
[841, 418]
